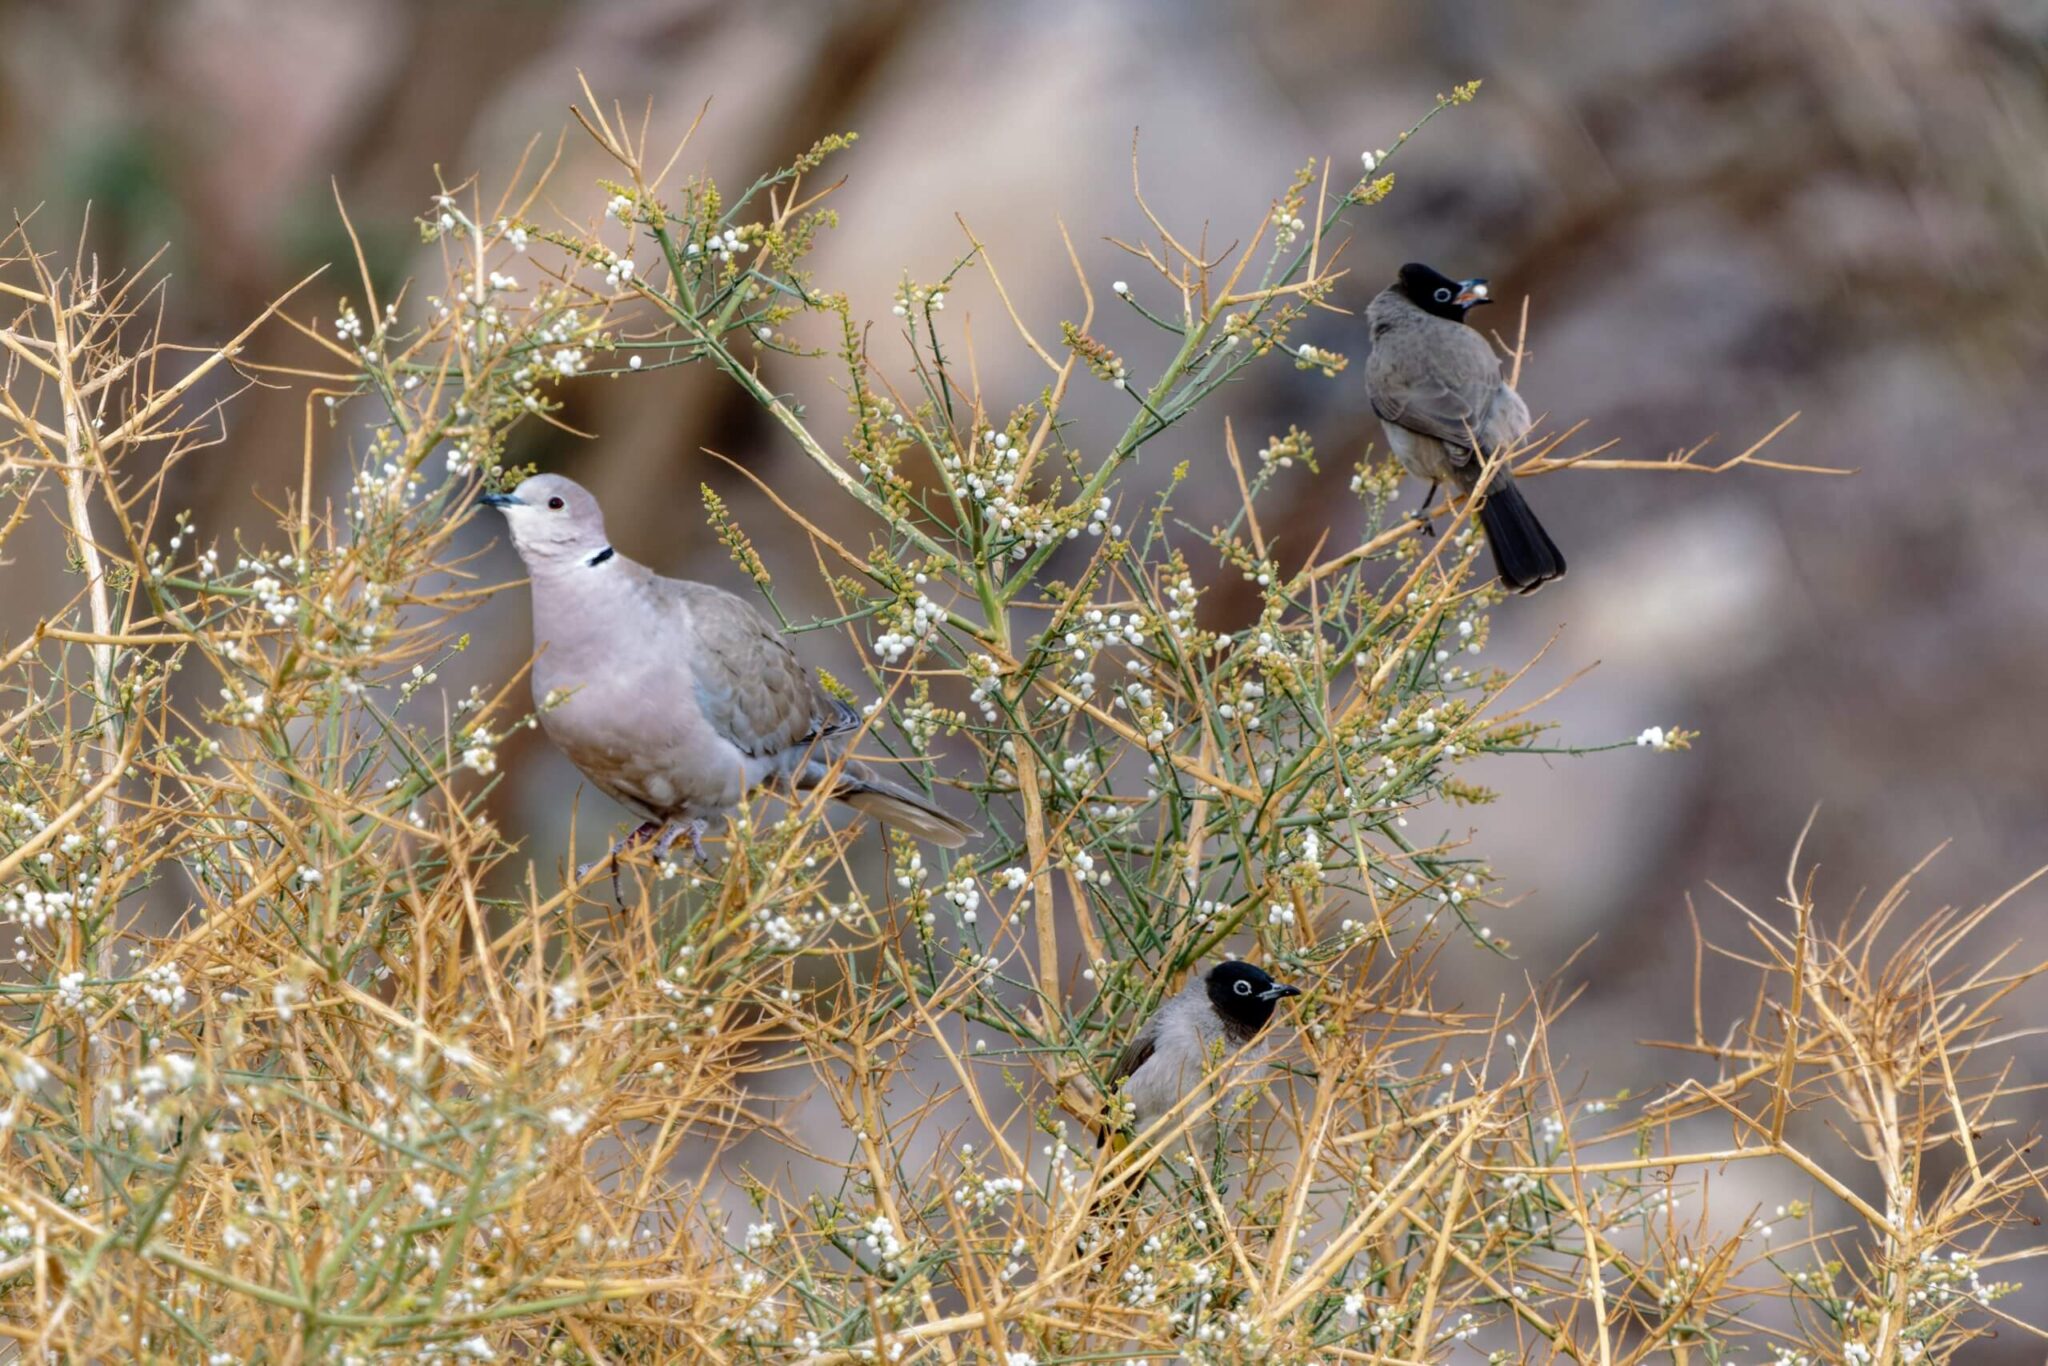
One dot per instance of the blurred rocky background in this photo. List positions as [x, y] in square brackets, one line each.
[1721, 214]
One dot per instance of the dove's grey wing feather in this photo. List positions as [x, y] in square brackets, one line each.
[753, 689]
[756, 694]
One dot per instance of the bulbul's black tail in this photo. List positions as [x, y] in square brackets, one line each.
[1522, 550]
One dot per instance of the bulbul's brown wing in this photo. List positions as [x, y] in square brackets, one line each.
[1441, 379]
[1134, 1055]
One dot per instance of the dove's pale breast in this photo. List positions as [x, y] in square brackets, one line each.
[630, 717]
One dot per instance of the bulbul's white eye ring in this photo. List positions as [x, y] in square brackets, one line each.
[1443, 294]
[554, 504]
[1242, 988]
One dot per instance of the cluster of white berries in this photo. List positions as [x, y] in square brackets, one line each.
[1141, 1282]
[722, 245]
[1098, 517]
[560, 345]
[1244, 703]
[1277, 452]
[912, 873]
[982, 669]
[1944, 1281]
[373, 483]
[962, 892]
[783, 934]
[464, 456]
[1331, 363]
[988, 473]
[911, 629]
[164, 985]
[886, 1243]
[910, 298]
[479, 752]
[276, 603]
[34, 908]
[1083, 864]
[1180, 618]
[71, 992]
[1311, 855]
[989, 1192]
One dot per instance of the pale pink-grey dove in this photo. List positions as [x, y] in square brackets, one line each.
[678, 699]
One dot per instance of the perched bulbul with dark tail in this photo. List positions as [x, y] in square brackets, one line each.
[1217, 1012]
[1437, 388]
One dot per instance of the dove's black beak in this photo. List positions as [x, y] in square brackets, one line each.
[1277, 990]
[500, 500]
[1472, 293]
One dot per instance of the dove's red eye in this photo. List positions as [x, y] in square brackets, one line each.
[555, 504]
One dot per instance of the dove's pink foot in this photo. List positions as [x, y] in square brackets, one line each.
[645, 830]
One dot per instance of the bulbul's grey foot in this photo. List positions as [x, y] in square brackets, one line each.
[1425, 523]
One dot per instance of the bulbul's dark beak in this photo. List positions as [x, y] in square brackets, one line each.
[500, 500]
[1277, 990]
[1472, 293]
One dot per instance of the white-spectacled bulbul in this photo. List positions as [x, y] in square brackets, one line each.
[1437, 388]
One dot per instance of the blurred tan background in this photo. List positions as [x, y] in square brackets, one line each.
[1722, 214]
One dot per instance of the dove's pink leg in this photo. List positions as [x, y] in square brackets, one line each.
[645, 830]
[676, 830]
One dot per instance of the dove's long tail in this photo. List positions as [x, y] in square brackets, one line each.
[1522, 550]
[865, 790]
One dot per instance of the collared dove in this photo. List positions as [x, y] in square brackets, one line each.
[1437, 388]
[677, 699]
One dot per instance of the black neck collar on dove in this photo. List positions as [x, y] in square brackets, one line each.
[600, 557]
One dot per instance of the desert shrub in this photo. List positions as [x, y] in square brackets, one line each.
[304, 1060]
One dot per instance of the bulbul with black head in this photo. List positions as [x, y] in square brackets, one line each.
[1223, 1010]
[1437, 388]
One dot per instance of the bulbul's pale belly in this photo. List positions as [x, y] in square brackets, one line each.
[1423, 456]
